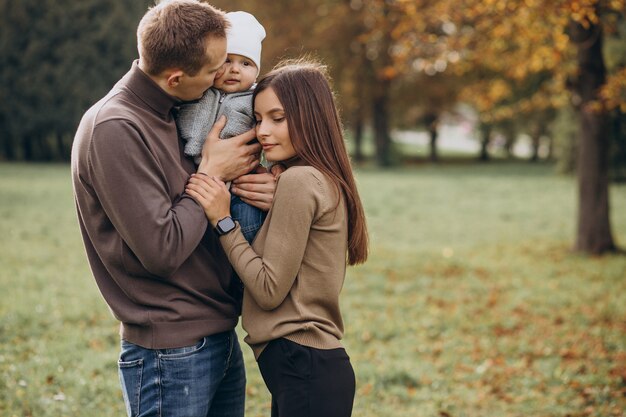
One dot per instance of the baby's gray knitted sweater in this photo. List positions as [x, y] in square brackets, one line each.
[196, 119]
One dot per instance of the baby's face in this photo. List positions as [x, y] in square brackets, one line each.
[237, 74]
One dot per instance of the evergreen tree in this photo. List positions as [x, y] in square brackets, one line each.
[57, 58]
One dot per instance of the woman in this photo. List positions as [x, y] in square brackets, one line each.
[294, 270]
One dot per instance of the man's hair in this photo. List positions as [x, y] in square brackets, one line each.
[173, 34]
[302, 87]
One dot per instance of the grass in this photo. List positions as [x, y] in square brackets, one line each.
[470, 305]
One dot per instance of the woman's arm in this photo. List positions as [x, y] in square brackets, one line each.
[270, 278]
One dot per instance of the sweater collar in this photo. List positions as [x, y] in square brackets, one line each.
[149, 92]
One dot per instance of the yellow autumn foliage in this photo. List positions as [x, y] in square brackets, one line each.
[510, 41]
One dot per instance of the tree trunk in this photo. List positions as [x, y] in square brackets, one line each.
[509, 144]
[550, 155]
[510, 137]
[47, 148]
[594, 229]
[617, 156]
[431, 120]
[535, 140]
[27, 148]
[61, 149]
[358, 136]
[8, 146]
[380, 90]
[539, 130]
[485, 139]
[432, 130]
[380, 116]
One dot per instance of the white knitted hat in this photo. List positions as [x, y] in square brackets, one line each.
[245, 36]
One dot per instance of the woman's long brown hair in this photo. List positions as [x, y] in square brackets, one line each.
[317, 136]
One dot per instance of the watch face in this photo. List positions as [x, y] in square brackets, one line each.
[225, 225]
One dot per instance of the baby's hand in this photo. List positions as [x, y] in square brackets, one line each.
[277, 169]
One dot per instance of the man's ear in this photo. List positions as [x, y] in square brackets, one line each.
[173, 79]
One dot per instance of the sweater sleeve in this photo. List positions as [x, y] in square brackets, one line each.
[128, 180]
[196, 119]
[269, 278]
[239, 114]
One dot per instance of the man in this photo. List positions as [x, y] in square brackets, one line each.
[162, 273]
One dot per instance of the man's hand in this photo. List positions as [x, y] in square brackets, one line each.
[231, 158]
[256, 189]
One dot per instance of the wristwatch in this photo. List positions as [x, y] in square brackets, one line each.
[224, 226]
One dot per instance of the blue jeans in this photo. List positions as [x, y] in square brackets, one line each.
[249, 217]
[204, 380]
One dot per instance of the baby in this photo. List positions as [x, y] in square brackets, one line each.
[231, 95]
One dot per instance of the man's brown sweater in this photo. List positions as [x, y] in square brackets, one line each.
[295, 269]
[165, 279]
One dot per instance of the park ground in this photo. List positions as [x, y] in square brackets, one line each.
[471, 304]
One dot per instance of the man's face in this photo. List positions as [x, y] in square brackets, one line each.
[237, 74]
[193, 87]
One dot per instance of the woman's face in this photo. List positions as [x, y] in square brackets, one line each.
[271, 127]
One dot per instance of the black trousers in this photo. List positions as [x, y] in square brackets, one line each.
[307, 382]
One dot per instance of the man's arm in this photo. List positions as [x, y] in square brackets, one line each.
[128, 181]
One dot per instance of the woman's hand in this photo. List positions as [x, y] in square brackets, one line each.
[212, 194]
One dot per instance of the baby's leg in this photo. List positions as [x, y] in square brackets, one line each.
[249, 217]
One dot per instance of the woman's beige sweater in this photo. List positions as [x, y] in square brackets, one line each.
[295, 269]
